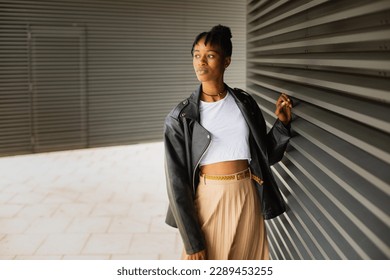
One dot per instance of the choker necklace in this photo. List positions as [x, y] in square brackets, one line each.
[221, 93]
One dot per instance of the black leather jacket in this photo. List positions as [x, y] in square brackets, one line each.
[185, 143]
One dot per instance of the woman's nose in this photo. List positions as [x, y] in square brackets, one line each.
[203, 60]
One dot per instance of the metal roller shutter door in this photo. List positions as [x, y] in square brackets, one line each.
[57, 75]
[113, 81]
[333, 58]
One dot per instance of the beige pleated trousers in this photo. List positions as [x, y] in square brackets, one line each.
[229, 213]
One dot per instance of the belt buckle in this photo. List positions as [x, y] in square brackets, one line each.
[241, 175]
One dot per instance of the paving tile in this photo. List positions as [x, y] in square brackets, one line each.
[9, 210]
[152, 243]
[172, 256]
[16, 187]
[49, 225]
[127, 197]
[158, 197]
[60, 198]
[74, 184]
[13, 225]
[89, 225]
[86, 257]
[6, 257]
[107, 192]
[135, 257]
[107, 244]
[148, 209]
[27, 198]
[74, 210]
[32, 211]
[62, 244]
[5, 196]
[129, 225]
[95, 197]
[158, 224]
[38, 257]
[110, 209]
[20, 244]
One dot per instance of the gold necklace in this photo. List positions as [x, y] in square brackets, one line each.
[221, 93]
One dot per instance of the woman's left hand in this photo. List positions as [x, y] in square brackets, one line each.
[283, 109]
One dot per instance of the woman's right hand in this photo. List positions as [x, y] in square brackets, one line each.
[283, 109]
[201, 255]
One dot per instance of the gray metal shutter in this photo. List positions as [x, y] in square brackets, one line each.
[15, 103]
[333, 58]
[102, 72]
[57, 67]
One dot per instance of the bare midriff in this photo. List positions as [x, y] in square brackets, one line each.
[224, 168]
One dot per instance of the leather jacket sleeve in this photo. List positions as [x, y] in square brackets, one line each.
[277, 140]
[179, 187]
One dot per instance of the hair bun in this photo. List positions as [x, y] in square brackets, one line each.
[223, 30]
[218, 36]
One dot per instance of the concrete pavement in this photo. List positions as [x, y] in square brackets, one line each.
[100, 203]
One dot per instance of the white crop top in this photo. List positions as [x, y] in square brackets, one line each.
[228, 128]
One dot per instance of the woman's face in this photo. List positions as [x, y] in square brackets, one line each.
[209, 62]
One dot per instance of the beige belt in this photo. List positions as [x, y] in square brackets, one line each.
[238, 176]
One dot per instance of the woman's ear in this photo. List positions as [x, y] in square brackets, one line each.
[227, 61]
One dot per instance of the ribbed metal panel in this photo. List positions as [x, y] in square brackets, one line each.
[108, 73]
[57, 69]
[15, 103]
[333, 58]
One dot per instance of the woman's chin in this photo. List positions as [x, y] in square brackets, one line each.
[202, 78]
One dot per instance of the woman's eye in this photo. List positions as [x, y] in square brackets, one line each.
[210, 56]
[196, 56]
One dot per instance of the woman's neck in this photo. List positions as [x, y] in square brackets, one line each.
[213, 92]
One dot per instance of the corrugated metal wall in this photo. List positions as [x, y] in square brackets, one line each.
[78, 74]
[333, 58]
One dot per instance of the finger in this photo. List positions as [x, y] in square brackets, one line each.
[282, 105]
[287, 111]
[286, 108]
[279, 107]
[285, 103]
[281, 100]
[285, 97]
[283, 109]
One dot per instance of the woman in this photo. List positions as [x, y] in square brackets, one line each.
[218, 156]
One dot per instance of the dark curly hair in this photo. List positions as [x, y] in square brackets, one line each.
[220, 36]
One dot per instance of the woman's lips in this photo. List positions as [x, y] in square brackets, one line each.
[202, 70]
